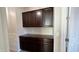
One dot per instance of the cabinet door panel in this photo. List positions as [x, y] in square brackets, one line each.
[38, 18]
[32, 19]
[26, 21]
[31, 44]
[48, 17]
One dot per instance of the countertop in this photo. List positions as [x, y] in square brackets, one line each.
[38, 36]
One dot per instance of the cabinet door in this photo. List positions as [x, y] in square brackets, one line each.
[31, 44]
[48, 17]
[38, 19]
[25, 17]
[32, 19]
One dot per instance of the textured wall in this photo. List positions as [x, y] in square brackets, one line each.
[74, 30]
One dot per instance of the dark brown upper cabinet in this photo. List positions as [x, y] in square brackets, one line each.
[38, 18]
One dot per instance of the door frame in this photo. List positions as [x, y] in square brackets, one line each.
[60, 28]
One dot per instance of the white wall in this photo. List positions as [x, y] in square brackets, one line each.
[25, 9]
[20, 29]
[4, 46]
[74, 30]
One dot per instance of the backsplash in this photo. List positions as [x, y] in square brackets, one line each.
[40, 30]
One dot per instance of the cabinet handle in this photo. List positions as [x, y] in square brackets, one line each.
[46, 43]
